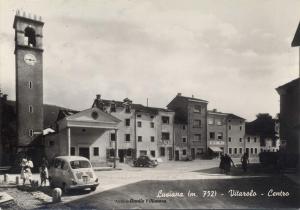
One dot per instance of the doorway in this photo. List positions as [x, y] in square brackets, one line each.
[122, 153]
[176, 154]
[84, 152]
[193, 153]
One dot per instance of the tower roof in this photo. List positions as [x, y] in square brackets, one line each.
[28, 18]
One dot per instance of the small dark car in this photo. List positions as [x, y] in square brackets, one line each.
[145, 161]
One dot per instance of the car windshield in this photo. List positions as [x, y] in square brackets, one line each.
[80, 164]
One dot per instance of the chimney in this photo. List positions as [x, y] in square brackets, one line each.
[98, 96]
[192, 96]
[178, 94]
[5, 97]
[214, 110]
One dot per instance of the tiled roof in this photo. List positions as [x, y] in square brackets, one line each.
[291, 84]
[233, 116]
[296, 40]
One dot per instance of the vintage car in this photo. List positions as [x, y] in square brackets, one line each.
[145, 161]
[72, 172]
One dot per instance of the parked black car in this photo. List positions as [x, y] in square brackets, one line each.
[145, 161]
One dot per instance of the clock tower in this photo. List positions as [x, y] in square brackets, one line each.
[29, 77]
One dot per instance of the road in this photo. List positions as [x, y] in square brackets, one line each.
[135, 187]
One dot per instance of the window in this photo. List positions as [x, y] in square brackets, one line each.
[96, 151]
[218, 121]
[241, 127]
[29, 84]
[240, 139]
[139, 124]
[151, 116]
[220, 136]
[151, 124]
[51, 143]
[251, 150]
[197, 124]
[139, 138]
[113, 137]
[127, 122]
[229, 139]
[210, 121]
[211, 135]
[30, 132]
[152, 153]
[229, 120]
[165, 136]
[248, 139]
[241, 150]
[165, 119]
[197, 137]
[183, 127]
[235, 150]
[184, 152]
[127, 109]
[113, 108]
[72, 151]
[255, 150]
[152, 139]
[230, 150]
[127, 137]
[138, 115]
[183, 139]
[30, 109]
[255, 139]
[197, 108]
[29, 38]
[162, 151]
[247, 150]
[229, 127]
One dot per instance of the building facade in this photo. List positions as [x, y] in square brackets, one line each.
[216, 132]
[235, 135]
[193, 113]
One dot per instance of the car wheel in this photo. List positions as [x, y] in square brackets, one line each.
[93, 188]
[65, 189]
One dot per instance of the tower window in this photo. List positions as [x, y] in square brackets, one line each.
[30, 37]
[31, 133]
[30, 84]
[30, 109]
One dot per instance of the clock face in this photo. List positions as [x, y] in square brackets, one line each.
[30, 59]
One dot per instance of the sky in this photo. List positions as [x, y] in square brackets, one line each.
[231, 53]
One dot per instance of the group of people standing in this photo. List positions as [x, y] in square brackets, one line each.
[27, 166]
[226, 161]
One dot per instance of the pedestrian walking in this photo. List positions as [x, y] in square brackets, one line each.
[245, 161]
[227, 163]
[222, 163]
[44, 171]
[26, 166]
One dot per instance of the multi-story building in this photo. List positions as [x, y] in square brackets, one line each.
[216, 132]
[235, 135]
[143, 130]
[191, 112]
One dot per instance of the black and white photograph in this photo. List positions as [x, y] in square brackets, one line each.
[149, 104]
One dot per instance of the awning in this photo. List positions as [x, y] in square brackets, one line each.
[216, 149]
